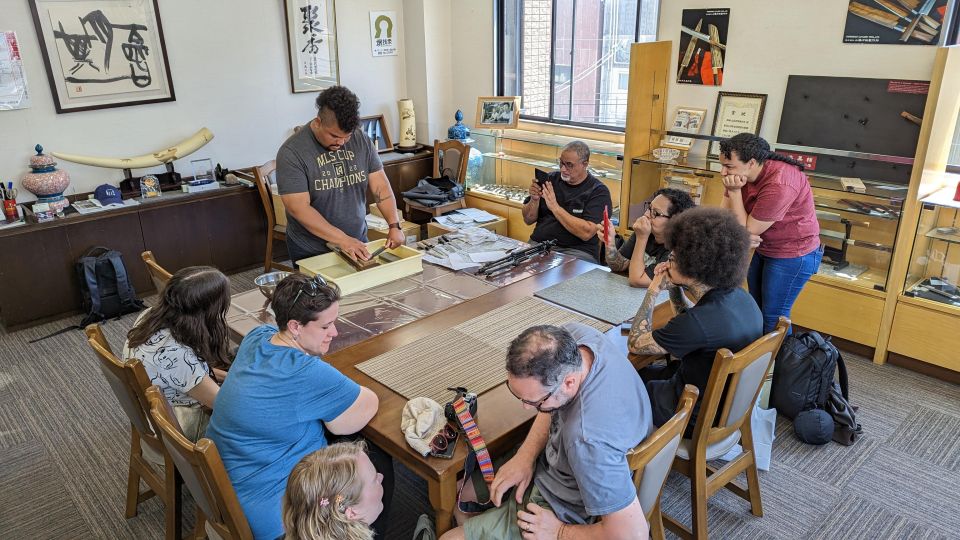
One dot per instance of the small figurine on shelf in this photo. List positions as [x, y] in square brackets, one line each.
[46, 182]
[150, 186]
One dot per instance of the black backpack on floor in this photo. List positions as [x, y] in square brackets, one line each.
[803, 378]
[104, 285]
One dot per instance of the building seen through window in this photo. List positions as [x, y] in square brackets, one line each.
[570, 59]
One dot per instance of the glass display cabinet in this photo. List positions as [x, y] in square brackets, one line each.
[934, 271]
[502, 162]
[857, 229]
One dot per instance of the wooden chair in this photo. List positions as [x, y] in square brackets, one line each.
[276, 223]
[158, 274]
[129, 383]
[650, 461]
[723, 420]
[449, 158]
[218, 510]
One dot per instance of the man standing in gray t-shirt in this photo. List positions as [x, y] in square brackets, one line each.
[572, 465]
[323, 172]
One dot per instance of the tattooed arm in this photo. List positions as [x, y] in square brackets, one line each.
[615, 261]
[640, 340]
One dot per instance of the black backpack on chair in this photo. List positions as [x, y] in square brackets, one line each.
[104, 285]
[803, 378]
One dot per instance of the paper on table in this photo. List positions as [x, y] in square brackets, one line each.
[459, 262]
[487, 256]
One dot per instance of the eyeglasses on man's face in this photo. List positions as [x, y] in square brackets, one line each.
[311, 288]
[535, 404]
[568, 164]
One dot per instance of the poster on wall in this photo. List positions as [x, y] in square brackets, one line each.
[312, 44]
[103, 53]
[889, 22]
[703, 39]
[383, 33]
[13, 81]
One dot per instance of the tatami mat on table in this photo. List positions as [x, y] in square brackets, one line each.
[599, 294]
[471, 354]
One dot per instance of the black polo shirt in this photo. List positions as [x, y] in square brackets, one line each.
[658, 252]
[585, 200]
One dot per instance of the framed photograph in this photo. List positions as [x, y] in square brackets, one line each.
[736, 113]
[375, 127]
[498, 112]
[312, 44]
[103, 53]
[686, 120]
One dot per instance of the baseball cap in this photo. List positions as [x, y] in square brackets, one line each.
[814, 426]
[421, 420]
[107, 194]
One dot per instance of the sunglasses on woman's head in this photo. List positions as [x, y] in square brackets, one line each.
[311, 287]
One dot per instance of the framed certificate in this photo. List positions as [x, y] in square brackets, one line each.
[686, 120]
[736, 113]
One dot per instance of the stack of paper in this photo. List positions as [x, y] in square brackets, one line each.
[465, 217]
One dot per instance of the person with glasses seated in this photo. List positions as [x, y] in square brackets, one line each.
[282, 402]
[707, 266]
[570, 477]
[323, 173]
[649, 232]
[568, 205]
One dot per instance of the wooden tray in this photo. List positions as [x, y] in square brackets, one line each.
[333, 268]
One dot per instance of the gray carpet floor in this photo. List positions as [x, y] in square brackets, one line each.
[64, 442]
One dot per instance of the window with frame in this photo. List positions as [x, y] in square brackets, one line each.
[569, 60]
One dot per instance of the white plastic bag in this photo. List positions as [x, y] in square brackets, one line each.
[764, 425]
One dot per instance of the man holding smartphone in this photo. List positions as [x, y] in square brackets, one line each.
[567, 205]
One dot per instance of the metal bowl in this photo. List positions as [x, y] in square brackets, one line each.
[267, 283]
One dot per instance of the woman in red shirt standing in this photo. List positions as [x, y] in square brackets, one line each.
[771, 196]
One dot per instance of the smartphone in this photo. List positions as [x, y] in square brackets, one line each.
[542, 176]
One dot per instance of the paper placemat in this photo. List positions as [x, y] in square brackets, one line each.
[600, 294]
[471, 354]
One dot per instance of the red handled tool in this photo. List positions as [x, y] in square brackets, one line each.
[606, 225]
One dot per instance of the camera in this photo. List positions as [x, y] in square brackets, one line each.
[469, 397]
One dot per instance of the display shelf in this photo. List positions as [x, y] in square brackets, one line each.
[934, 271]
[549, 165]
[614, 150]
[942, 197]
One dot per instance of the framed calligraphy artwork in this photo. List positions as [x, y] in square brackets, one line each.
[736, 113]
[312, 44]
[103, 53]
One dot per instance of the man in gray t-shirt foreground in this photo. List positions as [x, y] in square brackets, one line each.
[323, 172]
[572, 465]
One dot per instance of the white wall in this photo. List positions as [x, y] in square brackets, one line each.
[230, 72]
[472, 56]
[769, 41]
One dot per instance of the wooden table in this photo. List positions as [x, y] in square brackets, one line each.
[502, 418]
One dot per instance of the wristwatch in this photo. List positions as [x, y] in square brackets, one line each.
[394, 226]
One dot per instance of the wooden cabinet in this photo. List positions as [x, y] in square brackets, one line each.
[225, 228]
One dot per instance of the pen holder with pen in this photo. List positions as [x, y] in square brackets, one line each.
[10, 210]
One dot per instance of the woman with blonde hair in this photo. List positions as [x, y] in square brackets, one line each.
[335, 492]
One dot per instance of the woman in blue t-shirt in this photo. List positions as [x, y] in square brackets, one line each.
[282, 401]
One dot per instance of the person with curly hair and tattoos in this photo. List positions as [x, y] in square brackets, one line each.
[645, 249]
[703, 275]
[323, 172]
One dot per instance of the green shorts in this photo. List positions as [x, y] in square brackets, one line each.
[501, 523]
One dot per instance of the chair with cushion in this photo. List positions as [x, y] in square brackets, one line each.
[274, 210]
[148, 460]
[219, 513]
[449, 159]
[651, 460]
[158, 274]
[724, 420]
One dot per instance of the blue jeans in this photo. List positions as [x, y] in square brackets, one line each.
[776, 283]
